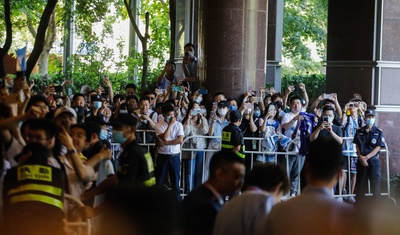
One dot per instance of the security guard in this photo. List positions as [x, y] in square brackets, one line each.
[369, 140]
[33, 194]
[232, 136]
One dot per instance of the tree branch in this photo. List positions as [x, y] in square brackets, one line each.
[30, 25]
[39, 40]
[133, 22]
[8, 41]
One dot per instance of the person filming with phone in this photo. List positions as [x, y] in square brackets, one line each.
[167, 77]
[189, 63]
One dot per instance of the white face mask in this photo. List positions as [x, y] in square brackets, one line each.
[222, 111]
[198, 99]
[330, 119]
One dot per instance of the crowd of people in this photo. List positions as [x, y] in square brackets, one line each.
[53, 144]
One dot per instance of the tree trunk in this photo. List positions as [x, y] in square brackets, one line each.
[40, 37]
[7, 43]
[49, 41]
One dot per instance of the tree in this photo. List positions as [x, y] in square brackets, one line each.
[8, 40]
[143, 39]
[40, 36]
[305, 22]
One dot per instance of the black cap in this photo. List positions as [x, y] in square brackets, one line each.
[124, 120]
[95, 98]
[369, 112]
[223, 104]
[235, 115]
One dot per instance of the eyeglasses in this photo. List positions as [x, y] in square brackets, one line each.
[151, 98]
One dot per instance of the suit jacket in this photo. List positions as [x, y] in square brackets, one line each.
[199, 210]
[314, 212]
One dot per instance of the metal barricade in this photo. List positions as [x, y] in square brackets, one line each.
[206, 158]
[384, 151]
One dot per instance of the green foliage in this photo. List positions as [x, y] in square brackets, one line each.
[304, 23]
[315, 84]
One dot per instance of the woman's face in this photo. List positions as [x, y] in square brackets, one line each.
[271, 110]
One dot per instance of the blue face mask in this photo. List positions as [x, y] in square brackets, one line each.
[370, 121]
[103, 134]
[257, 113]
[167, 119]
[232, 107]
[118, 137]
[97, 104]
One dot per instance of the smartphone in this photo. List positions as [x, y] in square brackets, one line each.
[328, 96]
[203, 91]
[257, 99]
[105, 92]
[325, 119]
[176, 89]
[58, 88]
[160, 91]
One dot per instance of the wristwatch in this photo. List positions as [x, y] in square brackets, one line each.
[71, 151]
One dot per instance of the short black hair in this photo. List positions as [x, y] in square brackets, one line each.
[219, 93]
[76, 95]
[118, 96]
[166, 108]
[189, 45]
[148, 92]
[235, 116]
[144, 98]
[294, 97]
[92, 127]
[132, 97]
[39, 153]
[37, 98]
[267, 176]
[327, 108]
[85, 128]
[324, 158]
[130, 85]
[222, 159]
[48, 126]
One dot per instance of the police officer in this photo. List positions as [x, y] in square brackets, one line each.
[232, 135]
[369, 140]
[33, 194]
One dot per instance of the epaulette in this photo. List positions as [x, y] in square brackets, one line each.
[379, 129]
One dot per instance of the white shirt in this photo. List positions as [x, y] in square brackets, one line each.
[176, 130]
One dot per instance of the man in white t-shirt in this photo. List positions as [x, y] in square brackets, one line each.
[170, 135]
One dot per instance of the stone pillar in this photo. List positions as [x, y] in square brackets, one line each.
[233, 41]
[274, 51]
[364, 57]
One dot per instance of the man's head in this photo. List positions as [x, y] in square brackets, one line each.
[232, 104]
[328, 113]
[96, 101]
[219, 96]
[269, 177]
[171, 68]
[370, 117]
[189, 50]
[98, 128]
[65, 116]
[226, 172]
[144, 105]
[78, 100]
[132, 101]
[223, 108]
[295, 104]
[130, 89]
[41, 131]
[80, 136]
[168, 111]
[41, 102]
[235, 116]
[151, 95]
[324, 160]
[124, 128]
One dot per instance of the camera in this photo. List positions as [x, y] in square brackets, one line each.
[328, 96]
[187, 54]
[325, 119]
[105, 92]
[58, 88]
[203, 91]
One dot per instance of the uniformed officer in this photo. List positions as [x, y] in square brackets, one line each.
[369, 140]
[33, 194]
[232, 135]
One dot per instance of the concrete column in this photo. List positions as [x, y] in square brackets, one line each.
[233, 41]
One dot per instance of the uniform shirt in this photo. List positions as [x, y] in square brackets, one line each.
[232, 136]
[176, 130]
[135, 165]
[367, 141]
